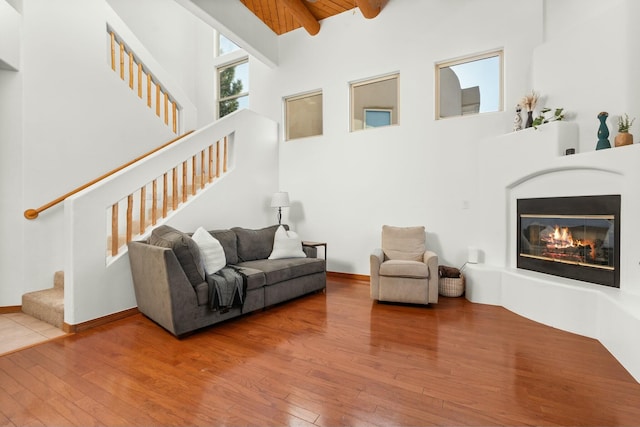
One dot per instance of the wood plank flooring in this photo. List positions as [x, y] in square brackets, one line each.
[328, 359]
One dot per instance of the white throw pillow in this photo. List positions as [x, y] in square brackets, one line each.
[286, 244]
[210, 250]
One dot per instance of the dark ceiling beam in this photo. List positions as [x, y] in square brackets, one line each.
[368, 10]
[302, 15]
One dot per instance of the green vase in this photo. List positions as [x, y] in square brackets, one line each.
[603, 132]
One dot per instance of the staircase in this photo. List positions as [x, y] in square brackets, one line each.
[48, 304]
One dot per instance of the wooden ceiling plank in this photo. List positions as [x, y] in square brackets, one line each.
[273, 11]
[368, 10]
[302, 15]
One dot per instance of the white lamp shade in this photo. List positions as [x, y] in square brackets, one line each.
[280, 199]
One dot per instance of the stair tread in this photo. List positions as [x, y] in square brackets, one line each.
[53, 297]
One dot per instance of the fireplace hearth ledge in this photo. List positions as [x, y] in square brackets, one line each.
[607, 314]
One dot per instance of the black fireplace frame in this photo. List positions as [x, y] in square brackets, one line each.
[578, 205]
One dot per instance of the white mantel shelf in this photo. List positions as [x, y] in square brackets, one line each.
[532, 163]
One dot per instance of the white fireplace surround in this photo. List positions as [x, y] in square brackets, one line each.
[533, 164]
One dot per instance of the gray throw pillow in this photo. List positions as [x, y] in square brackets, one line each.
[185, 249]
[255, 244]
[227, 239]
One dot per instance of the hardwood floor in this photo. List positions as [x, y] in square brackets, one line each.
[326, 359]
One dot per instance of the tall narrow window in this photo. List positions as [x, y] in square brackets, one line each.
[374, 102]
[303, 115]
[233, 87]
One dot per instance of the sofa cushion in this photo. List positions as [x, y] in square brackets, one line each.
[286, 244]
[278, 270]
[211, 251]
[185, 249]
[254, 244]
[228, 240]
[255, 278]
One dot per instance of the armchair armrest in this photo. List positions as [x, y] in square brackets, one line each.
[431, 259]
[375, 260]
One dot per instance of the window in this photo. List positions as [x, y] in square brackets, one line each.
[374, 103]
[233, 87]
[224, 45]
[376, 117]
[469, 85]
[303, 115]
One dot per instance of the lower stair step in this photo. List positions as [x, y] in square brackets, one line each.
[46, 305]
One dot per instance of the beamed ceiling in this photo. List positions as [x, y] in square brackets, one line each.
[283, 16]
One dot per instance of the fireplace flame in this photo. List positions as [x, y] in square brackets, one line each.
[561, 238]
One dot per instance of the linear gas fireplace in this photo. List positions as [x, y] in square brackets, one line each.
[574, 237]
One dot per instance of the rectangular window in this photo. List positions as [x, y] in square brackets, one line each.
[374, 102]
[469, 85]
[233, 87]
[303, 115]
[376, 117]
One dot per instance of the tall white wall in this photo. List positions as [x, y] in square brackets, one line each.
[11, 244]
[11, 223]
[346, 185]
[9, 36]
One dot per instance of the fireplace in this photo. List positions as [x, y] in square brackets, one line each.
[573, 237]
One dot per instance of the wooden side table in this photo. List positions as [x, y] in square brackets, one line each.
[315, 245]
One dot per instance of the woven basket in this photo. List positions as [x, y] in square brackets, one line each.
[451, 287]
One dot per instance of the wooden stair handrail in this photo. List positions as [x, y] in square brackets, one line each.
[33, 213]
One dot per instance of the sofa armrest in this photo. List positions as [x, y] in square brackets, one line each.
[163, 291]
[431, 259]
[375, 260]
[310, 251]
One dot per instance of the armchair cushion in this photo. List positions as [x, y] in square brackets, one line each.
[403, 243]
[404, 268]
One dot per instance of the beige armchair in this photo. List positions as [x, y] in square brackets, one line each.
[403, 270]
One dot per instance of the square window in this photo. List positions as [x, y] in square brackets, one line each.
[374, 103]
[469, 85]
[303, 116]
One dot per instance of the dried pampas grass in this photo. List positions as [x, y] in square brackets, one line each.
[529, 101]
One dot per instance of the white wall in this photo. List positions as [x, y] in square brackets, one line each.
[345, 186]
[11, 220]
[9, 36]
[11, 106]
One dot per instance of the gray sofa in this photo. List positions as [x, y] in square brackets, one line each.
[171, 288]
